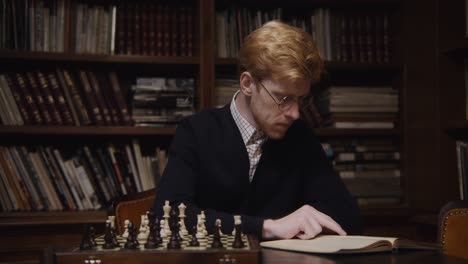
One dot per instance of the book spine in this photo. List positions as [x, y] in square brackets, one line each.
[76, 98]
[92, 104]
[119, 99]
[60, 100]
[49, 99]
[19, 99]
[101, 102]
[39, 99]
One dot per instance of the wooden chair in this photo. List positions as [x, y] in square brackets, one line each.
[131, 207]
[453, 229]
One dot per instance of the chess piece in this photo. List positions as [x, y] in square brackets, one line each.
[111, 218]
[162, 231]
[200, 233]
[86, 241]
[125, 233]
[154, 238]
[203, 221]
[183, 228]
[108, 236]
[166, 216]
[194, 241]
[92, 236]
[217, 235]
[174, 241]
[238, 243]
[144, 228]
[151, 217]
[130, 243]
[237, 220]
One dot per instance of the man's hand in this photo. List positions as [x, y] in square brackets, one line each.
[304, 223]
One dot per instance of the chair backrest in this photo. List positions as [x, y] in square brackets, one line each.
[453, 229]
[131, 207]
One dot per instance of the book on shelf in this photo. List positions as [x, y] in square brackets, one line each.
[334, 244]
[462, 165]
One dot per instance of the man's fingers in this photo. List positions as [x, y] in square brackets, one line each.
[327, 222]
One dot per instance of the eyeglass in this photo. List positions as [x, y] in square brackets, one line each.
[285, 103]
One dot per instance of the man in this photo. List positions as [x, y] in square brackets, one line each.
[254, 157]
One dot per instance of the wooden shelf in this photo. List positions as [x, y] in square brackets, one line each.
[457, 129]
[86, 130]
[52, 218]
[28, 56]
[356, 132]
[333, 65]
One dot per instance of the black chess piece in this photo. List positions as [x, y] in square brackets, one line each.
[92, 236]
[194, 241]
[174, 241]
[153, 241]
[86, 241]
[238, 243]
[108, 237]
[217, 237]
[130, 243]
[114, 237]
[151, 217]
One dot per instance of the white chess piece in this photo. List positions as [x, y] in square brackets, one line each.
[200, 231]
[144, 228]
[166, 216]
[237, 221]
[183, 229]
[111, 218]
[218, 223]
[125, 233]
[203, 220]
[162, 232]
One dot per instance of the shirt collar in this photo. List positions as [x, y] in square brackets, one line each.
[246, 129]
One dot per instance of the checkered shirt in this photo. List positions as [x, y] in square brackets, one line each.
[253, 138]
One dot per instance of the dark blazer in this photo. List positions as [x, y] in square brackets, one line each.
[208, 170]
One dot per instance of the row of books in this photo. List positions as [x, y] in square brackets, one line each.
[359, 106]
[130, 27]
[369, 168]
[46, 178]
[62, 97]
[162, 101]
[225, 88]
[363, 37]
[462, 165]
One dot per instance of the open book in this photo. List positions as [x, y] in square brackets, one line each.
[334, 244]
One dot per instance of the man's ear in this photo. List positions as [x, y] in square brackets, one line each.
[247, 83]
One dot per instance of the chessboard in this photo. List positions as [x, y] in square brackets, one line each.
[249, 254]
[205, 243]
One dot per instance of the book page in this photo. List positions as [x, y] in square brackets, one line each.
[333, 244]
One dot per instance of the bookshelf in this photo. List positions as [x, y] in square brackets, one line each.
[411, 70]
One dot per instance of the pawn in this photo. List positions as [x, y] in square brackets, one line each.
[194, 241]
